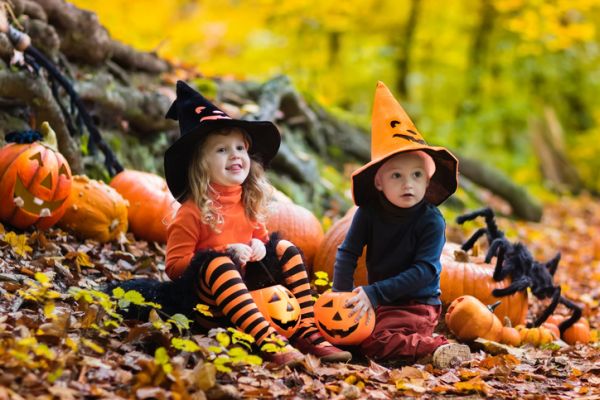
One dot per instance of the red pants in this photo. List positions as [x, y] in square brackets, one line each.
[403, 332]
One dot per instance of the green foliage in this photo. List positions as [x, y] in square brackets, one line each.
[233, 349]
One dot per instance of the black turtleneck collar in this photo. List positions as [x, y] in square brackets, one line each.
[391, 210]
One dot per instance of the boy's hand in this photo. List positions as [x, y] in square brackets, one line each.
[240, 252]
[361, 305]
[258, 250]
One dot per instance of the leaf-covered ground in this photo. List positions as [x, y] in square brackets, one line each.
[57, 341]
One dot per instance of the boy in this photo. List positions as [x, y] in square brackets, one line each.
[397, 219]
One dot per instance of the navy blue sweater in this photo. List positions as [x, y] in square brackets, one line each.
[403, 253]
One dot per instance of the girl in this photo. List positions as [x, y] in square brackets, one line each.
[214, 169]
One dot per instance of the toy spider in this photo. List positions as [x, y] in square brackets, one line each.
[514, 259]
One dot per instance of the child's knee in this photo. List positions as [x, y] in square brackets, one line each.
[284, 246]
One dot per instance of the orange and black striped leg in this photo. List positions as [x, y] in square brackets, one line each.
[231, 295]
[296, 280]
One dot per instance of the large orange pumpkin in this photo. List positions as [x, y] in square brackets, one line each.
[280, 307]
[96, 210]
[469, 319]
[325, 257]
[467, 275]
[334, 322]
[151, 205]
[298, 225]
[35, 182]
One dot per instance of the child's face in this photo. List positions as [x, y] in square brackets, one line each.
[227, 158]
[403, 180]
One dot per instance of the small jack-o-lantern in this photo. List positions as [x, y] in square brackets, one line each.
[35, 182]
[336, 325]
[280, 307]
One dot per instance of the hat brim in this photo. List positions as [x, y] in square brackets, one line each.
[442, 184]
[264, 135]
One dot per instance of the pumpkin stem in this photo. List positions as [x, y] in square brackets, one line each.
[461, 256]
[49, 136]
[507, 322]
[492, 307]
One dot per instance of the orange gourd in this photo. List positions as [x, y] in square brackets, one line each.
[151, 205]
[467, 275]
[579, 332]
[510, 335]
[468, 319]
[35, 183]
[96, 210]
[336, 325]
[325, 257]
[298, 225]
[536, 336]
[279, 307]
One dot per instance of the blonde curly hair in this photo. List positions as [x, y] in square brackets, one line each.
[256, 189]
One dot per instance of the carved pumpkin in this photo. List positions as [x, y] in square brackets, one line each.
[468, 319]
[280, 307]
[151, 205]
[325, 257]
[536, 336]
[35, 182]
[467, 275]
[96, 210]
[334, 323]
[299, 226]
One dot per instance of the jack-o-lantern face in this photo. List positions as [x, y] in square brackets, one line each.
[35, 182]
[335, 324]
[406, 130]
[279, 306]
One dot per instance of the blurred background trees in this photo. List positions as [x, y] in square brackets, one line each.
[511, 82]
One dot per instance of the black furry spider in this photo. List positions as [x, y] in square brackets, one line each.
[515, 260]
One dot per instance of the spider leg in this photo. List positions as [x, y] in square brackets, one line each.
[516, 286]
[566, 324]
[552, 265]
[550, 309]
[497, 246]
[484, 212]
[468, 245]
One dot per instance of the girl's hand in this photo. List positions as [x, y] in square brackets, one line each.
[240, 252]
[361, 305]
[258, 250]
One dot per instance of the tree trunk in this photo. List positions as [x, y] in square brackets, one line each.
[404, 46]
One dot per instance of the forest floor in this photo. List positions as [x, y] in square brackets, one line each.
[57, 342]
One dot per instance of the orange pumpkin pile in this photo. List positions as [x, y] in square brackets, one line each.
[334, 322]
[35, 182]
[467, 275]
[96, 211]
[151, 205]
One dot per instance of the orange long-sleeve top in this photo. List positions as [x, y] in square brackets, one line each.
[187, 234]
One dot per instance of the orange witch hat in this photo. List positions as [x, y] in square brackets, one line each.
[392, 132]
